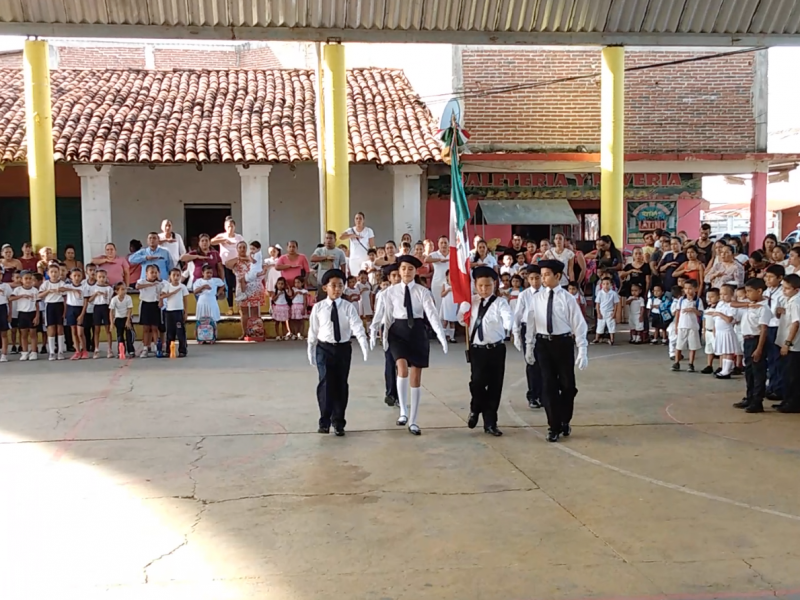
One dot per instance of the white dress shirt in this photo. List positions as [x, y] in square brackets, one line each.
[774, 297]
[567, 316]
[497, 320]
[754, 318]
[392, 308]
[320, 325]
[522, 308]
[791, 314]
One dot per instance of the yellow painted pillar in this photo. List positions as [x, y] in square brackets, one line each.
[39, 131]
[612, 144]
[337, 163]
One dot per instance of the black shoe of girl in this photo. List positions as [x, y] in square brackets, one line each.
[719, 375]
[691, 368]
[43, 350]
[14, 350]
[707, 371]
[676, 366]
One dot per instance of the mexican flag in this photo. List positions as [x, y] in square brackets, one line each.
[459, 217]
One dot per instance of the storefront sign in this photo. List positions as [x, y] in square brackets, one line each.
[645, 217]
[571, 186]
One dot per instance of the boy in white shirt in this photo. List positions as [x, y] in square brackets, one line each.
[773, 276]
[508, 268]
[790, 344]
[607, 302]
[52, 292]
[26, 297]
[76, 294]
[100, 296]
[121, 308]
[688, 315]
[175, 314]
[755, 325]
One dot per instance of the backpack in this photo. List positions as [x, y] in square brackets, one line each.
[254, 329]
[206, 330]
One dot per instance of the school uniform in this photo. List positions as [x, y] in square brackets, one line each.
[490, 319]
[5, 294]
[101, 315]
[755, 372]
[533, 373]
[27, 304]
[173, 316]
[88, 320]
[688, 326]
[76, 299]
[331, 325]
[775, 300]
[119, 310]
[389, 364]
[53, 296]
[555, 327]
[708, 331]
[791, 401]
[607, 302]
[150, 305]
[636, 319]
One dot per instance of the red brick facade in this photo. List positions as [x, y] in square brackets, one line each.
[704, 106]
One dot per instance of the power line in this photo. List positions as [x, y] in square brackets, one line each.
[483, 92]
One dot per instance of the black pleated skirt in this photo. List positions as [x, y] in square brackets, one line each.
[410, 343]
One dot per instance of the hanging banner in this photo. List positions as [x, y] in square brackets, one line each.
[646, 217]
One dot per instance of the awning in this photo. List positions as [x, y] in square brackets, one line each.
[527, 212]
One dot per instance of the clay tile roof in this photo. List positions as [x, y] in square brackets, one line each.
[224, 116]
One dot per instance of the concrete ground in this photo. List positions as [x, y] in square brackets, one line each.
[204, 479]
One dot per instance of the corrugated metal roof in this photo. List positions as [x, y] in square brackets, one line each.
[526, 212]
[632, 22]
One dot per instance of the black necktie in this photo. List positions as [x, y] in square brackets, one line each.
[409, 308]
[337, 330]
[479, 322]
[550, 313]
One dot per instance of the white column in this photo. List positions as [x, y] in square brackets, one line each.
[255, 202]
[407, 201]
[95, 210]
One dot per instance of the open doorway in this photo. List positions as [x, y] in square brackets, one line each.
[204, 218]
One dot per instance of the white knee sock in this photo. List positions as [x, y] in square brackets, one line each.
[415, 396]
[727, 366]
[51, 344]
[62, 343]
[402, 394]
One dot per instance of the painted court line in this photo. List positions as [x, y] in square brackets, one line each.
[651, 480]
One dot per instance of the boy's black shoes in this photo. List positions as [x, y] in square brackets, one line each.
[676, 366]
[324, 430]
[390, 400]
[339, 431]
[566, 429]
[493, 430]
[788, 409]
[721, 376]
[774, 397]
[473, 420]
[707, 371]
[755, 407]
[743, 403]
[691, 368]
[534, 403]
[552, 436]
[736, 371]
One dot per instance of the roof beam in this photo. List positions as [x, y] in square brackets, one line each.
[78, 30]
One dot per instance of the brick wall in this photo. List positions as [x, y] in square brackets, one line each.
[169, 58]
[98, 57]
[704, 106]
[11, 60]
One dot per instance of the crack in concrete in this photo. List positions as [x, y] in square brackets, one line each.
[193, 466]
[761, 578]
[185, 542]
[59, 419]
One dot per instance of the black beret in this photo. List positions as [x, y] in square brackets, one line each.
[534, 269]
[483, 271]
[389, 269]
[331, 273]
[556, 266]
[410, 259]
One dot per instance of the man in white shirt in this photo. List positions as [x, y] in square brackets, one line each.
[332, 323]
[789, 340]
[755, 323]
[555, 326]
[533, 373]
[490, 319]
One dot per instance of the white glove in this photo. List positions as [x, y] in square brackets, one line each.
[464, 308]
[312, 355]
[529, 356]
[373, 338]
[518, 341]
[443, 342]
[583, 359]
[365, 352]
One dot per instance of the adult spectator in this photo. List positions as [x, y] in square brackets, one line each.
[756, 265]
[661, 245]
[739, 252]
[28, 259]
[768, 245]
[607, 258]
[46, 256]
[249, 294]
[530, 252]
[637, 272]
[693, 268]
[562, 254]
[670, 262]
[440, 261]
[172, 242]
[579, 264]
[227, 241]
[204, 255]
[745, 237]
[326, 258]
[134, 271]
[154, 254]
[69, 258]
[10, 264]
[390, 255]
[649, 248]
[481, 257]
[116, 267]
[704, 245]
[292, 264]
[362, 238]
[725, 269]
[516, 247]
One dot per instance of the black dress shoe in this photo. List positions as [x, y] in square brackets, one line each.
[493, 430]
[743, 403]
[401, 421]
[552, 436]
[414, 429]
[707, 371]
[339, 431]
[721, 376]
[780, 405]
[736, 371]
[390, 400]
[755, 407]
[774, 397]
[788, 409]
[473, 420]
[566, 429]
[534, 404]
[324, 430]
